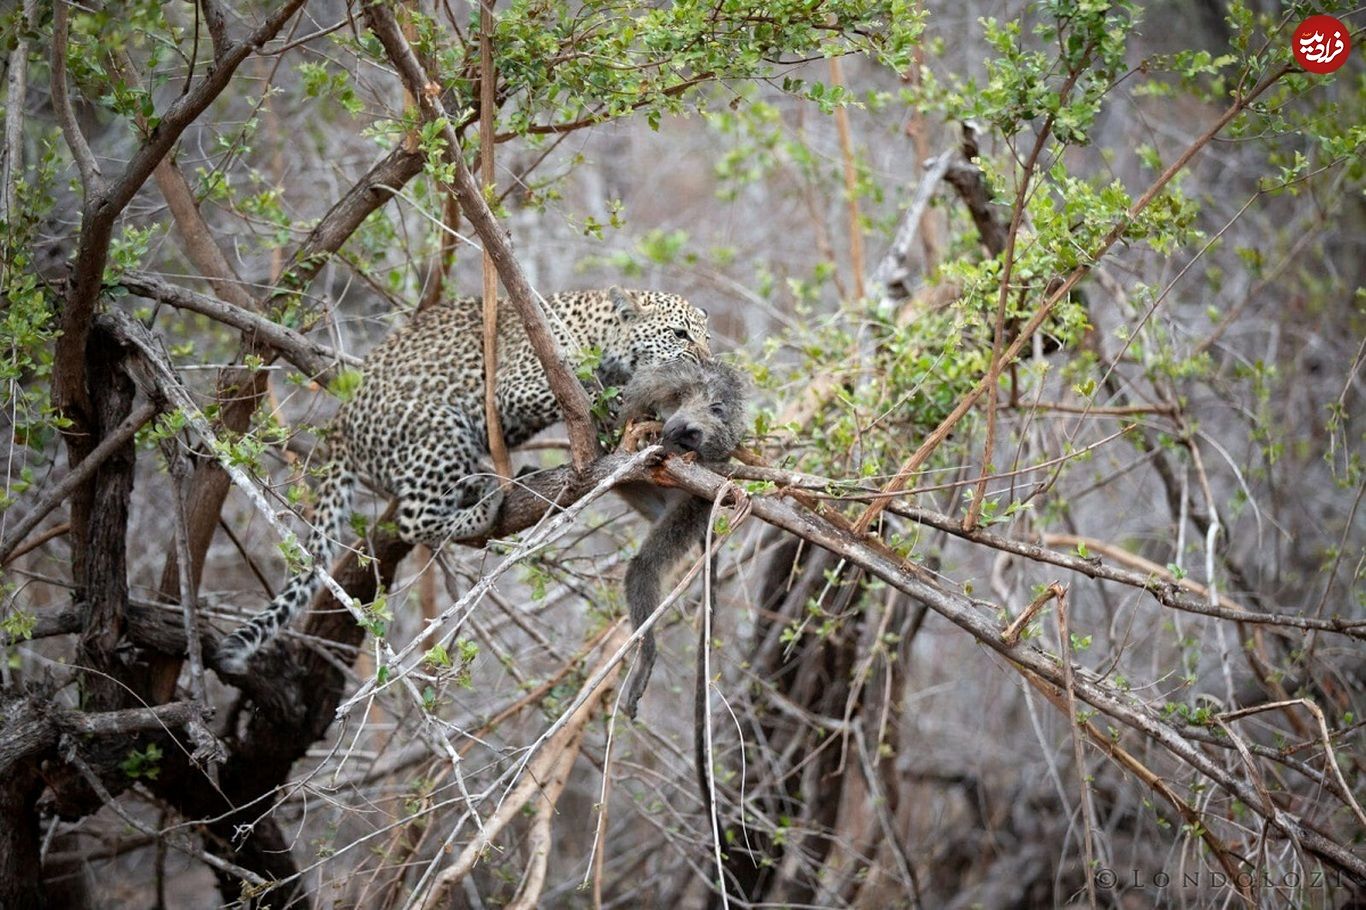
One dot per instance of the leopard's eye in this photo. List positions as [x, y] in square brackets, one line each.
[682, 334]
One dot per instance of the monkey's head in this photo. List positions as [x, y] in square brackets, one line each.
[702, 406]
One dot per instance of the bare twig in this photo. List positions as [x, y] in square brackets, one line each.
[82, 472]
[539, 843]
[1154, 781]
[207, 748]
[1012, 633]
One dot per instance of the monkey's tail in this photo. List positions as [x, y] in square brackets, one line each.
[702, 725]
[701, 721]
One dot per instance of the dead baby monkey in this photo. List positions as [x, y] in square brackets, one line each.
[702, 411]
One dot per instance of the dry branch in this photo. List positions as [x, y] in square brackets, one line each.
[980, 622]
[313, 358]
[498, 450]
[569, 393]
[82, 472]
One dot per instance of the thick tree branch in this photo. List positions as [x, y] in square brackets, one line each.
[199, 242]
[33, 724]
[368, 193]
[313, 358]
[217, 23]
[970, 183]
[569, 392]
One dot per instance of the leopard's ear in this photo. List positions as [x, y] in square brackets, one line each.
[626, 306]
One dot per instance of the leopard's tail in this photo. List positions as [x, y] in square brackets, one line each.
[334, 502]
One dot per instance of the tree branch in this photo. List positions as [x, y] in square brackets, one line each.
[78, 475]
[16, 89]
[979, 620]
[312, 357]
[91, 180]
[217, 24]
[200, 245]
[33, 724]
[368, 193]
[498, 450]
[569, 392]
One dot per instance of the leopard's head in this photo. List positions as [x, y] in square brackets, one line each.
[655, 328]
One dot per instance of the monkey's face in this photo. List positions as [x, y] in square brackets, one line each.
[701, 406]
[708, 418]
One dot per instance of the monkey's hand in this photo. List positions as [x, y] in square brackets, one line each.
[639, 433]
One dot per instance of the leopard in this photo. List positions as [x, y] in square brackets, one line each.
[416, 426]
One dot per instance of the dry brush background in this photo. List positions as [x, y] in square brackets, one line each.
[1040, 598]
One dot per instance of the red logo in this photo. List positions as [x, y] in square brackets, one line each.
[1321, 44]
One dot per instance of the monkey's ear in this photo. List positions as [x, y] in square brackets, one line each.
[626, 306]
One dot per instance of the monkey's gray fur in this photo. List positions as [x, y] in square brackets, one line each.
[702, 407]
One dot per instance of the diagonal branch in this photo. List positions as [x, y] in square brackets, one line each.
[311, 356]
[569, 393]
[200, 245]
[82, 472]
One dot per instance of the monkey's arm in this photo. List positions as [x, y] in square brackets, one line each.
[669, 541]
